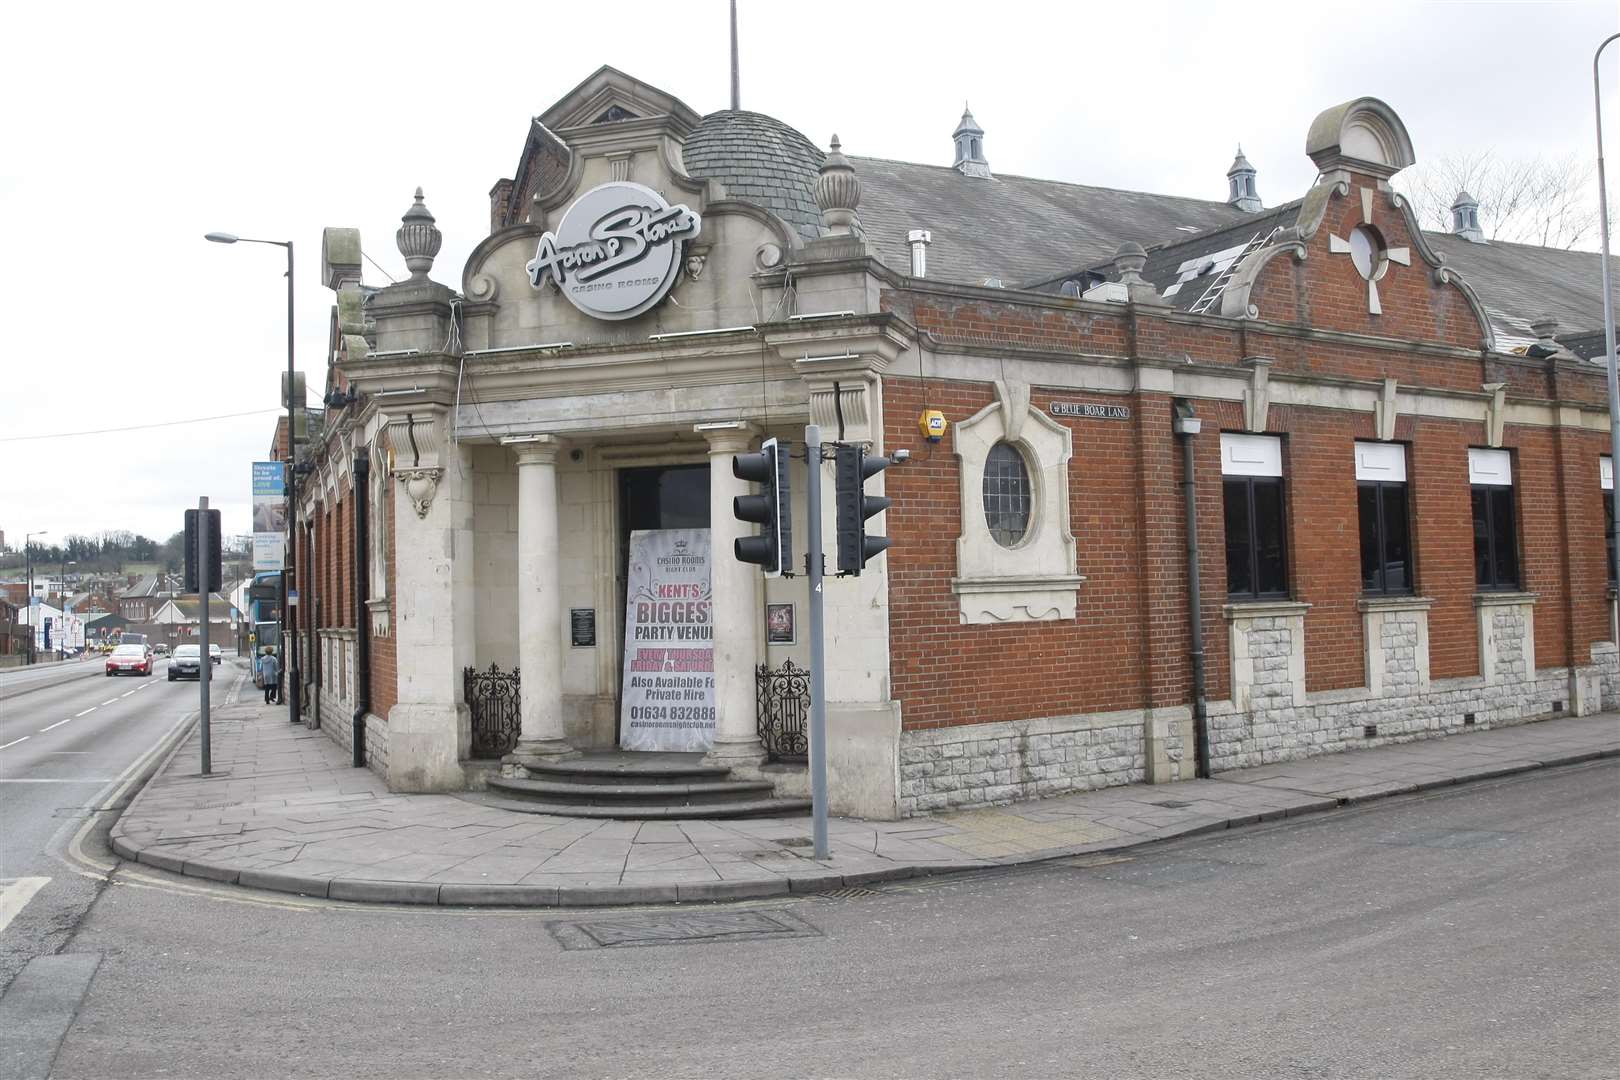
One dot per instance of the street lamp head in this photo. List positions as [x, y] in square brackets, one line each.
[221, 237]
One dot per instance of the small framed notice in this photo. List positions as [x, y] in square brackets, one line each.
[779, 628]
[582, 627]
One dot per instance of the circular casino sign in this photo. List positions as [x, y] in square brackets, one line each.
[616, 251]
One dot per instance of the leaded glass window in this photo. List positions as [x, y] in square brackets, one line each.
[1008, 494]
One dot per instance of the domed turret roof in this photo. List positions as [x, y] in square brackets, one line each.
[760, 160]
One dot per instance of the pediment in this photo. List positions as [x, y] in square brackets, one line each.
[610, 96]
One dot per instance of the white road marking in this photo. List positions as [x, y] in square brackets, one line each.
[86, 712]
[58, 724]
[109, 701]
[126, 693]
[15, 896]
[14, 742]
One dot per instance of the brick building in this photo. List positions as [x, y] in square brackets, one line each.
[1398, 474]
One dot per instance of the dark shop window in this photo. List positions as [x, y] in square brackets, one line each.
[1608, 532]
[1256, 565]
[1496, 552]
[1386, 549]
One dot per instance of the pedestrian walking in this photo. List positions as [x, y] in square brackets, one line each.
[270, 676]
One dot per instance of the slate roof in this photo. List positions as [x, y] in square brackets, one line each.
[760, 160]
[1031, 233]
[1519, 282]
[1015, 228]
[1213, 253]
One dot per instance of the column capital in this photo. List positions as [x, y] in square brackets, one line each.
[727, 436]
[533, 449]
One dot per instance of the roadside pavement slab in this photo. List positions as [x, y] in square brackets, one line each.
[291, 815]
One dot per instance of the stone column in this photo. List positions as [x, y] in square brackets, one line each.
[540, 659]
[735, 606]
[428, 728]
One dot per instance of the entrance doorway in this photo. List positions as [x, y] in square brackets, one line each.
[655, 497]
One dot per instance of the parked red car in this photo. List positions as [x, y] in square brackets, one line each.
[129, 660]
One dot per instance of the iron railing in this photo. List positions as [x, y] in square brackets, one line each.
[784, 711]
[492, 699]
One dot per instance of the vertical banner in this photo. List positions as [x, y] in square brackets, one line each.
[668, 643]
[269, 515]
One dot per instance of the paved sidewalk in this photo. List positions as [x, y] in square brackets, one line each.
[286, 811]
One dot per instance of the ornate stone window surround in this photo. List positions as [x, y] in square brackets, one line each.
[1034, 580]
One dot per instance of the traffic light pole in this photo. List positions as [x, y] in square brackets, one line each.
[205, 663]
[818, 643]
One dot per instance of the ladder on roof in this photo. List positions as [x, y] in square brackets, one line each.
[1202, 305]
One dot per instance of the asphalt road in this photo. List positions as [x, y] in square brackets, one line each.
[22, 680]
[63, 746]
[1469, 933]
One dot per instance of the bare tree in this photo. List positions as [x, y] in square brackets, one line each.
[1549, 202]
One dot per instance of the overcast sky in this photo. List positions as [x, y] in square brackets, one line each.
[130, 130]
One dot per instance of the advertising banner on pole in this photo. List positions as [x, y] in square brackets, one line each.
[269, 515]
[668, 643]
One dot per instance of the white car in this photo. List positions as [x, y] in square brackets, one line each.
[215, 654]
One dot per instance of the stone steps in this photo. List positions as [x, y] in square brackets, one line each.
[750, 808]
[639, 786]
[605, 794]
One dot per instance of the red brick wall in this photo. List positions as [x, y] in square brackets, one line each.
[945, 673]
[384, 672]
[1326, 292]
[1128, 645]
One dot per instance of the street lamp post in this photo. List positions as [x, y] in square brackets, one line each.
[1608, 295]
[28, 550]
[289, 573]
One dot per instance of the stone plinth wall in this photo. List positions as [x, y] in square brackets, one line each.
[987, 764]
[1272, 718]
[334, 696]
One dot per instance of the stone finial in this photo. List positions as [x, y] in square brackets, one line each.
[418, 239]
[838, 193]
[1545, 327]
[1129, 260]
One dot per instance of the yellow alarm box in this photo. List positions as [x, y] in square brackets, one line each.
[932, 423]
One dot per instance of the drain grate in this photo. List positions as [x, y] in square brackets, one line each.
[1171, 804]
[848, 892]
[680, 928]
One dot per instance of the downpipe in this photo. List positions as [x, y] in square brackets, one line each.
[362, 615]
[1195, 604]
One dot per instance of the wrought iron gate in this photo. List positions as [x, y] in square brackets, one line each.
[784, 711]
[492, 699]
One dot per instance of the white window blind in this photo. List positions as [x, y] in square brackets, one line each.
[1251, 455]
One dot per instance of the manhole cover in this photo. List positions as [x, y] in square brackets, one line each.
[1171, 804]
[695, 928]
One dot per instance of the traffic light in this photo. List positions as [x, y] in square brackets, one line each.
[771, 509]
[213, 559]
[853, 468]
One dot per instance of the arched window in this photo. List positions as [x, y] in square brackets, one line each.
[1007, 495]
[974, 152]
